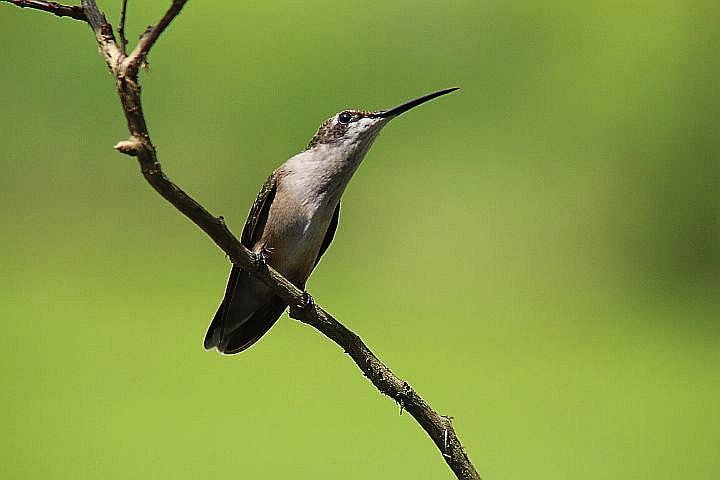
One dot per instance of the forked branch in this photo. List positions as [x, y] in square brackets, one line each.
[125, 69]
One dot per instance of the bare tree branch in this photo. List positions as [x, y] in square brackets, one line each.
[125, 71]
[121, 27]
[138, 56]
[73, 11]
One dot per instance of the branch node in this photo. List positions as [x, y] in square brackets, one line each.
[128, 147]
[106, 31]
[146, 32]
[449, 419]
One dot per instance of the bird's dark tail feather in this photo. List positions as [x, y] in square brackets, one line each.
[231, 339]
[212, 337]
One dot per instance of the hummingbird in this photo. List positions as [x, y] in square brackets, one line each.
[293, 221]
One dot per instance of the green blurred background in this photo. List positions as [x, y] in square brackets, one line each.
[538, 253]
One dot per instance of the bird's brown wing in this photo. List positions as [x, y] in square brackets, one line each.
[257, 217]
[329, 235]
[252, 230]
[254, 225]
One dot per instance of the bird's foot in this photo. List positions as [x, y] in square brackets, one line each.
[307, 303]
[262, 257]
[308, 300]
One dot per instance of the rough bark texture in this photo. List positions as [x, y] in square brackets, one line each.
[125, 70]
[74, 11]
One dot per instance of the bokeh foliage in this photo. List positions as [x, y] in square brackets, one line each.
[539, 253]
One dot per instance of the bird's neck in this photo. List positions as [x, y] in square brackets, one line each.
[320, 174]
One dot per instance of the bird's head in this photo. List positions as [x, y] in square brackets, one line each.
[355, 130]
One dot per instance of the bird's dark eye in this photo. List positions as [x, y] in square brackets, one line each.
[345, 117]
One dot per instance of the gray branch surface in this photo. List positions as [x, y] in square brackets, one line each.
[125, 70]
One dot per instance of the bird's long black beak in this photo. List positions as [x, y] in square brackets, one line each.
[394, 112]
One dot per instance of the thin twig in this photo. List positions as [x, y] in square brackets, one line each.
[125, 70]
[72, 11]
[121, 27]
[140, 53]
